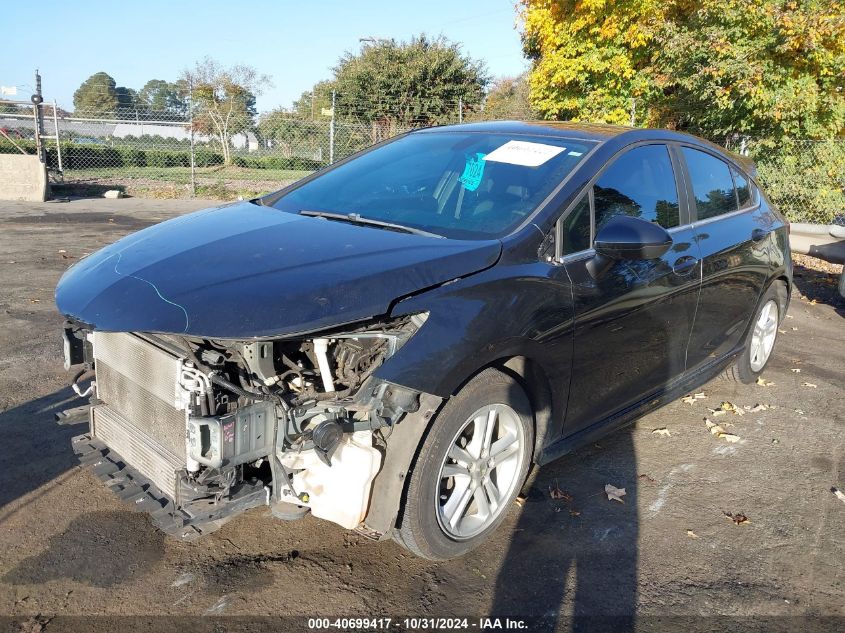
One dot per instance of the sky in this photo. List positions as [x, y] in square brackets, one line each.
[295, 42]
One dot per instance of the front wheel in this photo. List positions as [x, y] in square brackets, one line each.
[470, 468]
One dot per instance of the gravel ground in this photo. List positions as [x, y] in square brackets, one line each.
[70, 547]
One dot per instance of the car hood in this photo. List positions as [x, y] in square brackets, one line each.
[243, 271]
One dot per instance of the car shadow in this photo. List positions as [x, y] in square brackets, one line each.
[572, 559]
[36, 450]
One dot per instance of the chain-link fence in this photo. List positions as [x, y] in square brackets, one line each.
[169, 154]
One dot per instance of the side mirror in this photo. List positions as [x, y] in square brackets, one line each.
[627, 237]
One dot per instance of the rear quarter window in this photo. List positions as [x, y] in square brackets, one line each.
[712, 184]
[746, 193]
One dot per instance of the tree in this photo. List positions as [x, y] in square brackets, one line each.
[420, 81]
[127, 102]
[97, 96]
[311, 103]
[224, 99]
[508, 99]
[165, 97]
[768, 67]
[764, 68]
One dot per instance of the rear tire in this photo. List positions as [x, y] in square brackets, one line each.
[761, 337]
[470, 468]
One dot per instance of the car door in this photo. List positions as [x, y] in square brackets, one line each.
[731, 231]
[632, 323]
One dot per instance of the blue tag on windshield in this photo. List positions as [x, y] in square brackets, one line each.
[473, 171]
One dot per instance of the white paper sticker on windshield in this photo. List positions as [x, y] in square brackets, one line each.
[523, 153]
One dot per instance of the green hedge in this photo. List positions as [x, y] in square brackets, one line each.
[76, 156]
[276, 162]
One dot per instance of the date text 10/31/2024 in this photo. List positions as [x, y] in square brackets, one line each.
[422, 623]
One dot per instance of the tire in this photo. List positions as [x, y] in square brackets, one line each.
[432, 525]
[751, 363]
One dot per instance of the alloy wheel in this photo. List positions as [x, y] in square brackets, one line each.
[763, 336]
[480, 470]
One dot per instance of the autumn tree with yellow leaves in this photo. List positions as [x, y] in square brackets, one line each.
[759, 67]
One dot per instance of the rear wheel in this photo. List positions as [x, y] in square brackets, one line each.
[761, 338]
[470, 468]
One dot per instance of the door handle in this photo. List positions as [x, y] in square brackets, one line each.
[684, 265]
[758, 235]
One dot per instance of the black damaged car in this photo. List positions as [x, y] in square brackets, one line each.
[391, 343]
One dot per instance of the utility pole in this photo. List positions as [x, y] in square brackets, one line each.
[460, 109]
[331, 131]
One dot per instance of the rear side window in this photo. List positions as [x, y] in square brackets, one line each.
[640, 183]
[712, 184]
[744, 189]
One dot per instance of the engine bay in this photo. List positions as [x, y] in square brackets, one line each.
[302, 422]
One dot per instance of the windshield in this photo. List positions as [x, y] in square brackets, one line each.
[462, 185]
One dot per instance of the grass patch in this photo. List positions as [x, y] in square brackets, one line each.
[182, 175]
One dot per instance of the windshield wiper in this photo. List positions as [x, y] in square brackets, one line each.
[355, 218]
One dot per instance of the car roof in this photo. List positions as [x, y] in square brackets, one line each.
[562, 129]
[596, 132]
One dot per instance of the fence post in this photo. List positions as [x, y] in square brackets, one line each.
[331, 132]
[37, 100]
[460, 109]
[191, 124]
[58, 140]
[633, 112]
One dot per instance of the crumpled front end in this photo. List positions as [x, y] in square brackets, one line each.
[196, 430]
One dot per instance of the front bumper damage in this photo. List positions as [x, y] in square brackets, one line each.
[196, 432]
[187, 521]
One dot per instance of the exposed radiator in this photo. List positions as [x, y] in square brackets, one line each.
[142, 418]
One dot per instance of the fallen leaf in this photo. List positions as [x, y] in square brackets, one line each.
[691, 534]
[795, 329]
[715, 412]
[574, 513]
[35, 300]
[715, 429]
[839, 494]
[664, 432]
[782, 331]
[795, 370]
[809, 384]
[613, 493]
[556, 493]
[813, 302]
[775, 440]
[756, 408]
[739, 518]
[789, 316]
[799, 411]
[61, 250]
[520, 501]
[764, 383]
[720, 432]
[690, 398]
[649, 479]
[732, 408]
